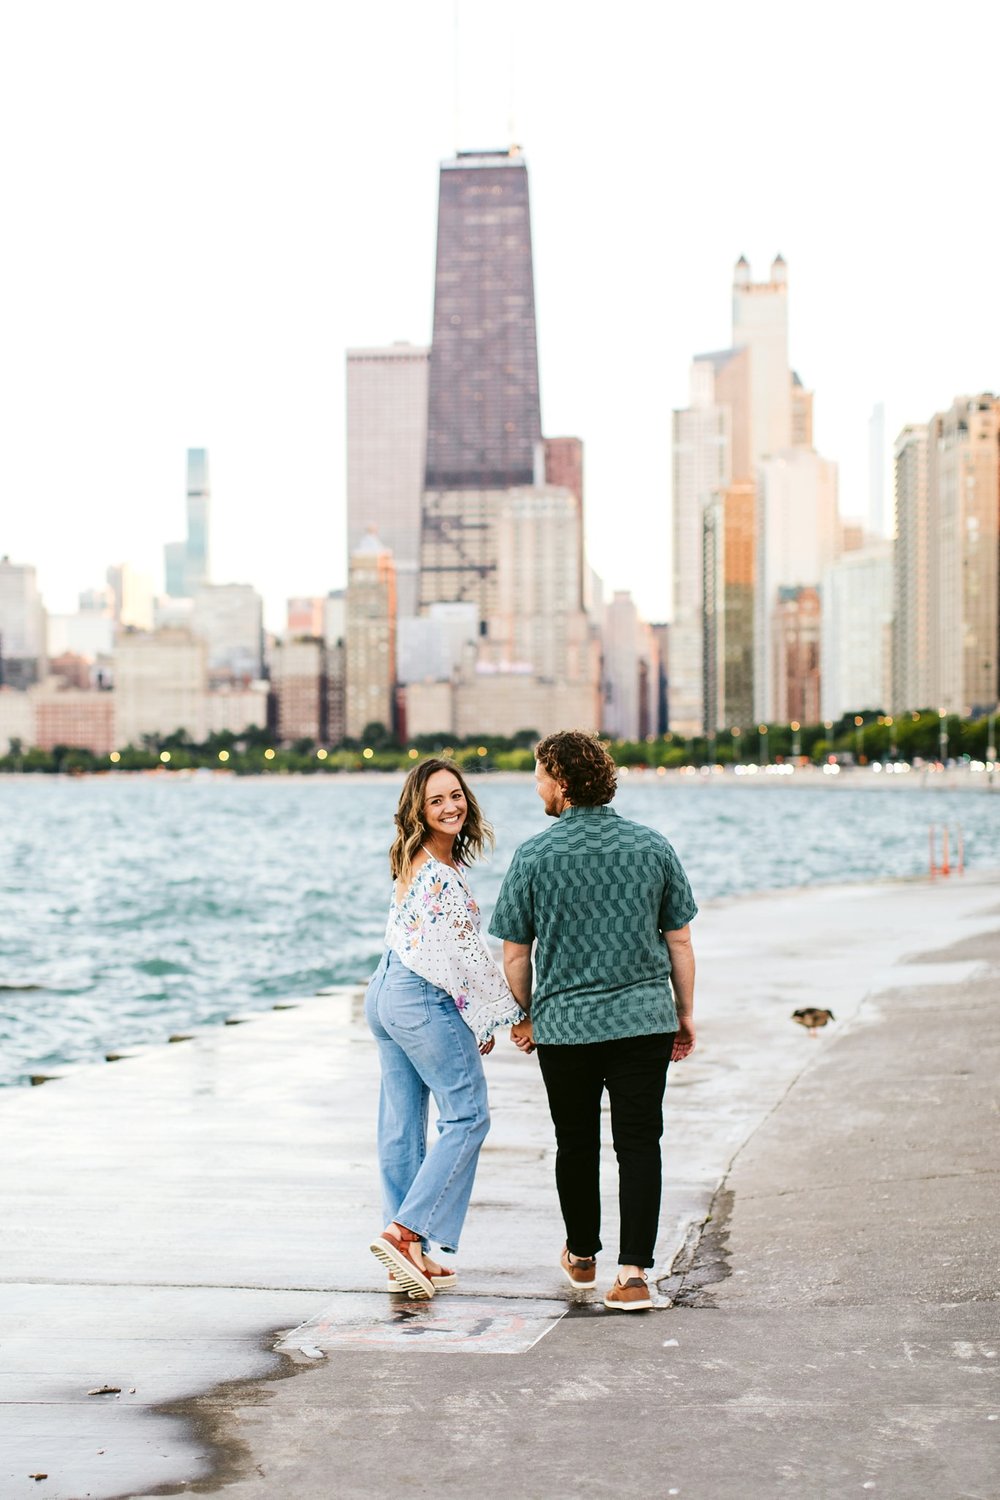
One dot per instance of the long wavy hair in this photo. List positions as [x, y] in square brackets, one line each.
[411, 822]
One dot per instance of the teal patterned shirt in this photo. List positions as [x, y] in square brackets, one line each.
[594, 892]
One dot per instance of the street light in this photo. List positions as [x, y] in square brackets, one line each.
[796, 745]
[942, 736]
[859, 737]
[737, 746]
[991, 743]
[762, 744]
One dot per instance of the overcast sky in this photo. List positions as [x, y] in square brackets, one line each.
[207, 203]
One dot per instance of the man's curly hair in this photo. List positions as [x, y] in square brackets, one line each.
[580, 763]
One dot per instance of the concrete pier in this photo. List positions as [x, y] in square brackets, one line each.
[188, 1227]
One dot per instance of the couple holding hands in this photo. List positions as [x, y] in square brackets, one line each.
[607, 906]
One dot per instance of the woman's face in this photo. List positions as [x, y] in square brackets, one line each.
[445, 809]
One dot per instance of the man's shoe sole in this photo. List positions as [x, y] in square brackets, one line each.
[584, 1286]
[613, 1305]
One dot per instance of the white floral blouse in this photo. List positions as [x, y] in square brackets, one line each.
[435, 931]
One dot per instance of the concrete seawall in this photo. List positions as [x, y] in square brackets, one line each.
[165, 1220]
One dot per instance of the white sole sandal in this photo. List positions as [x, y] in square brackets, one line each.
[439, 1283]
[392, 1254]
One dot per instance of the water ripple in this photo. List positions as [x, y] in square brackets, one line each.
[132, 908]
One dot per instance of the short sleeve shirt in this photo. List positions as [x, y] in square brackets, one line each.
[595, 892]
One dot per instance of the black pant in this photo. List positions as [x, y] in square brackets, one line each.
[634, 1072]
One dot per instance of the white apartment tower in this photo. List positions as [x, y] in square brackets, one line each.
[746, 405]
[386, 453]
[22, 626]
[911, 609]
[760, 324]
[797, 538]
[856, 631]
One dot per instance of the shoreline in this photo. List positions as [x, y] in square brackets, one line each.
[128, 1051]
[960, 779]
[161, 1221]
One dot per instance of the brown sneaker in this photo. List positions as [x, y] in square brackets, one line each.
[630, 1296]
[581, 1271]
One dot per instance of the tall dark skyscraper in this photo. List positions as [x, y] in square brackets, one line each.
[484, 418]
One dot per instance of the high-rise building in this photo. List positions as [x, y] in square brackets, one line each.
[623, 652]
[797, 537]
[760, 324]
[73, 716]
[17, 719]
[186, 563]
[305, 616]
[484, 418]
[564, 468]
[335, 617]
[299, 688]
[729, 554]
[371, 637]
[746, 404]
[229, 618]
[484, 425]
[387, 454]
[22, 626]
[794, 667]
[911, 610]
[701, 469]
[132, 597]
[538, 619]
[161, 683]
[857, 631]
[963, 503]
[429, 647]
[86, 634]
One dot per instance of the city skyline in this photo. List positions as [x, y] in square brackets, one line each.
[144, 338]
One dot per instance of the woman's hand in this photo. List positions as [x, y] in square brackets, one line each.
[485, 1048]
[523, 1036]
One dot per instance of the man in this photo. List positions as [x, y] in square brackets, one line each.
[607, 905]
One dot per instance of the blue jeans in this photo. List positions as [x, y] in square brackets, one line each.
[425, 1048]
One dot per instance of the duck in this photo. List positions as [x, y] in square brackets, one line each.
[812, 1017]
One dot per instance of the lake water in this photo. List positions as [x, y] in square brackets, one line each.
[136, 907]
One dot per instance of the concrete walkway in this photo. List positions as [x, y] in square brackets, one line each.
[166, 1220]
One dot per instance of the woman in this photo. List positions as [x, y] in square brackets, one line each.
[433, 1004]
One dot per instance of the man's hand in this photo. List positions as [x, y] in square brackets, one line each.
[684, 1040]
[523, 1036]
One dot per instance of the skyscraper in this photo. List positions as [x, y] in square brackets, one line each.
[386, 455]
[484, 424]
[186, 563]
[797, 538]
[484, 418]
[963, 502]
[760, 324]
[911, 613]
[22, 626]
[856, 637]
[198, 501]
[371, 637]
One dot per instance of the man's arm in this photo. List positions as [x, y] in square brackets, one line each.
[682, 978]
[517, 967]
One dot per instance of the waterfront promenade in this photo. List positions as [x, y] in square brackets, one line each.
[830, 1237]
